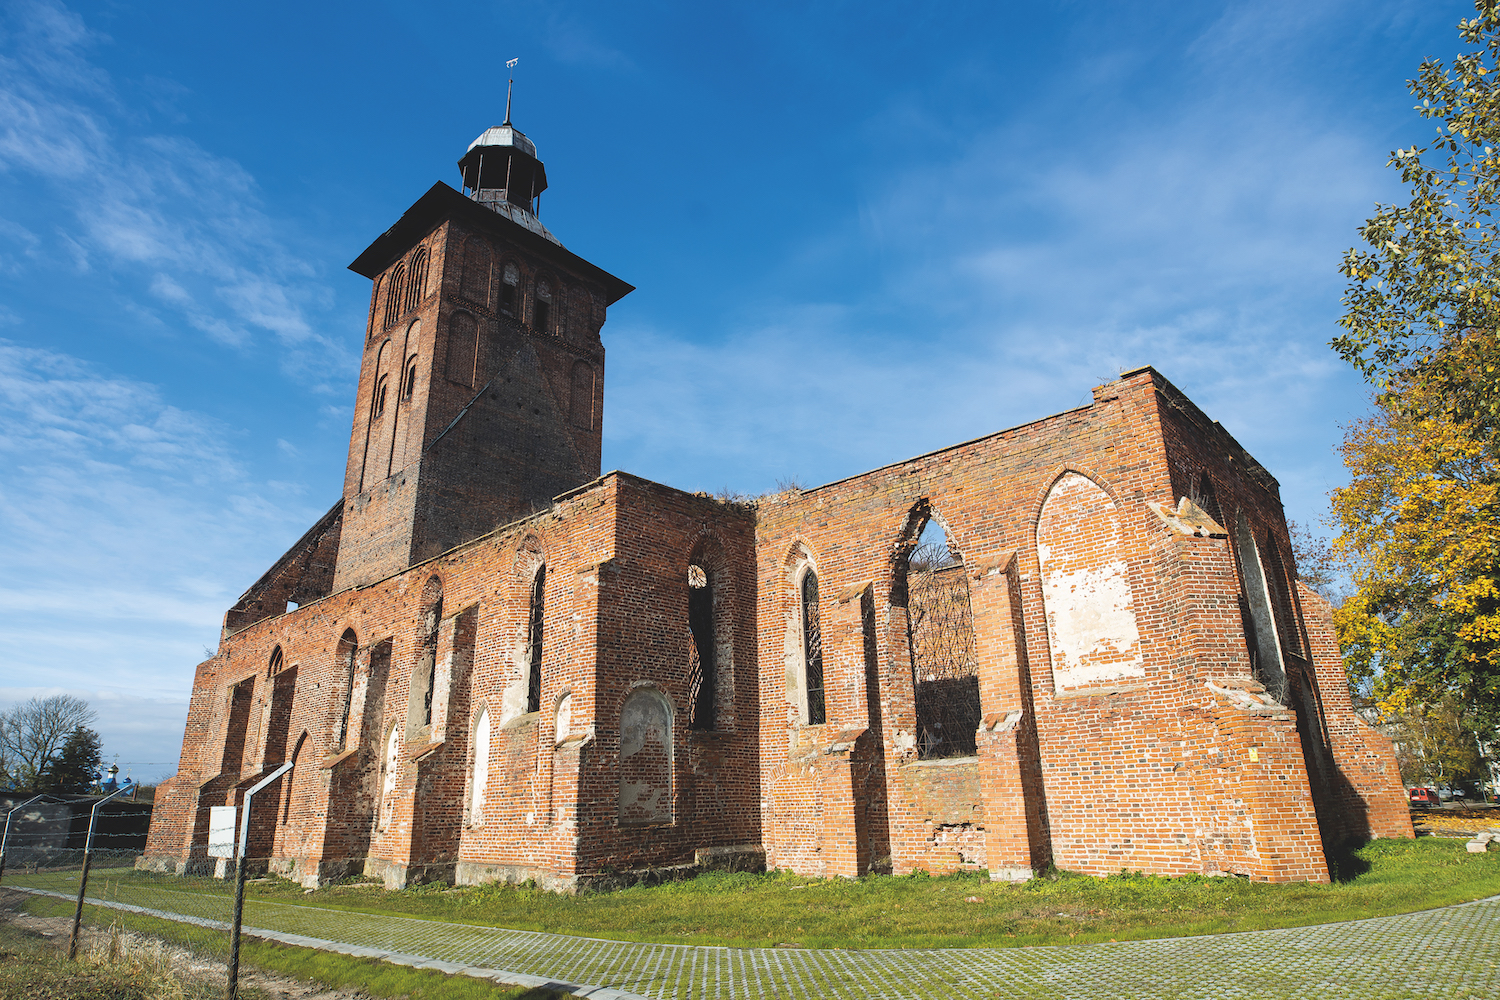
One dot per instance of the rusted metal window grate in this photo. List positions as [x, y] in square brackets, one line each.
[812, 650]
[945, 673]
[534, 643]
[701, 663]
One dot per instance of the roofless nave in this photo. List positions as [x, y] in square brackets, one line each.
[500, 665]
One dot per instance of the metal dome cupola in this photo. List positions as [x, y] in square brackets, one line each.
[502, 166]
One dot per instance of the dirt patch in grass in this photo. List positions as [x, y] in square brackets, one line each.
[119, 964]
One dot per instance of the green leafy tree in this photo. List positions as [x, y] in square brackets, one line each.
[1423, 301]
[76, 764]
[1420, 519]
[34, 731]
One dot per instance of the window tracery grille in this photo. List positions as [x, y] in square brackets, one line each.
[701, 653]
[812, 650]
[534, 642]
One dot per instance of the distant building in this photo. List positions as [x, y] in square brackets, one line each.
[490, 662]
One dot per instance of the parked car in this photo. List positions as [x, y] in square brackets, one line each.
[1424, 798]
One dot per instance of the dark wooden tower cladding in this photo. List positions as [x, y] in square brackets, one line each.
[481, 392]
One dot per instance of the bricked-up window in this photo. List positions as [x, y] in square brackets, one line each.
[702, 691]
[534, 641]
[476, 281]
[463, 348]
[940, 637]
[411, 377]
[508, 285]
[480, 780]
[395, 292]
[541, 311]
[646, 755]
[348, 648]
[581, 400]
[390, 769]
[1261, 640]
[1090, 608]
[240, 700]
[812, 650]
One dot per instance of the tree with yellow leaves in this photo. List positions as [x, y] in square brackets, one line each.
[1420, 518]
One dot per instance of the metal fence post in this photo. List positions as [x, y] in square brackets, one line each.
[83, 877]
[5, 837]
[232, 989]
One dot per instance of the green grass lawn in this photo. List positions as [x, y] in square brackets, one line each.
[1380, 878]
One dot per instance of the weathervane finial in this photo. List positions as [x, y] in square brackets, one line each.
[510, 84]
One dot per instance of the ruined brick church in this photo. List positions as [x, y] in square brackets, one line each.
[1077, 642]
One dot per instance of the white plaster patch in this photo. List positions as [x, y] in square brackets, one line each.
[1091, 621]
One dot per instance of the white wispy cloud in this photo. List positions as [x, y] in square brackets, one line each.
[188, 224]
[1037, 261]
[125, 524]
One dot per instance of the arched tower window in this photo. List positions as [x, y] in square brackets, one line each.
[476, 279]
[416, 283]
[702, 661]
[382, 386]
[509, 283]
[395, 292]
[348, 647]
[410, 380]
[812, 649]
[534, 641]
[541, 311]
[581, 401]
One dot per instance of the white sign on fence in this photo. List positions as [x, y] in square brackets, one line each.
[221, 824]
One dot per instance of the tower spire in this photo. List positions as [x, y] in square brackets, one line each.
[510, 85]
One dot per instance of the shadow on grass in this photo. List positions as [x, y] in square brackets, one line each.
[1345, 863]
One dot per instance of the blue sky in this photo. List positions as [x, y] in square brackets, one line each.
[859, 232]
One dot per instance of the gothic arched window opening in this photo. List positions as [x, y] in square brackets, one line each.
[274, 667]
[534, 641]
[812, 650]
[702, 664]
[940, 633]
[348, 647]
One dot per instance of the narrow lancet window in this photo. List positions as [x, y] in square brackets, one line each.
[534, 642]
[812, 650]
[348, 646]
[701, 663]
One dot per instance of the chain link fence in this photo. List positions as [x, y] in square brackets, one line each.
[68, 869]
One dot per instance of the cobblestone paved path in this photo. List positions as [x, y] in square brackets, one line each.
[1450, 953]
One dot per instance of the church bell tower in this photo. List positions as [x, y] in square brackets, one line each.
[481, 389]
